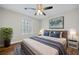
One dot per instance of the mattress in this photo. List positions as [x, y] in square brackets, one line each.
[42, 49]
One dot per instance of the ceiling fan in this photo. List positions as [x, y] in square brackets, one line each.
[39, 9]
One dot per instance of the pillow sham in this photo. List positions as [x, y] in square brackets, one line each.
[46, 33]
[55, 34]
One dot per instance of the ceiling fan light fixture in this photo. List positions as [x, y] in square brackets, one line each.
[39, 12]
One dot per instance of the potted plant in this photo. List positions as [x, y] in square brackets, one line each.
[6, 35]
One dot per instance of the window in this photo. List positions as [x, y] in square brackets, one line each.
[26, 26]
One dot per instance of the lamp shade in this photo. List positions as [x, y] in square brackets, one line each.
[41, 31]
[72, 32]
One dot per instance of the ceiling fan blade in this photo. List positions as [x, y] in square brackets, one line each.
[30, 8]
[50, 7]
[44, 14]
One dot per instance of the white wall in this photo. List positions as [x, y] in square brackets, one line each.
[13, 19]
[0, 18]
[71, 20]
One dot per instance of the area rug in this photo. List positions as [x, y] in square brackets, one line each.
[17, 50]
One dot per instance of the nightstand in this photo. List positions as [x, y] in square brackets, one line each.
[73, 46]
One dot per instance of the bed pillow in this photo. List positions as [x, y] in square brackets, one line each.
[55, 34]
[46, 33]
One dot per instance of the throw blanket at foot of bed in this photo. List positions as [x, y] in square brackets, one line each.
[51, 43]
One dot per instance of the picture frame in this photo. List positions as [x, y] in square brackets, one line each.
[56, 23]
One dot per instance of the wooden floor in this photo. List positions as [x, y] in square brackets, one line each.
[72, 51]
[8, 50]
[11, 49]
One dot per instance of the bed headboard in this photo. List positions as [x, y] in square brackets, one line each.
[64, 32]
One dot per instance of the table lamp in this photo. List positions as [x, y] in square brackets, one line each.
[41, 32]
[72, 34]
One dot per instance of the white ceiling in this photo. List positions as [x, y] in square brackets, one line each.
[57, 8]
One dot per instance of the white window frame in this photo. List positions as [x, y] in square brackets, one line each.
[25, 30]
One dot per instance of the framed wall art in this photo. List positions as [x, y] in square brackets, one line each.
[56, 23]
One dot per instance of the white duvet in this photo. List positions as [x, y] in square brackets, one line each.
[42, 49]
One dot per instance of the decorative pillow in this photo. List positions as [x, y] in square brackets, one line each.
[46, 33]
[55, 34]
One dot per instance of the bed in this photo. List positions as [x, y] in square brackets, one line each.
[47, 44]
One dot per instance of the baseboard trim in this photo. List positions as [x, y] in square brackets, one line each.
[16, 42]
